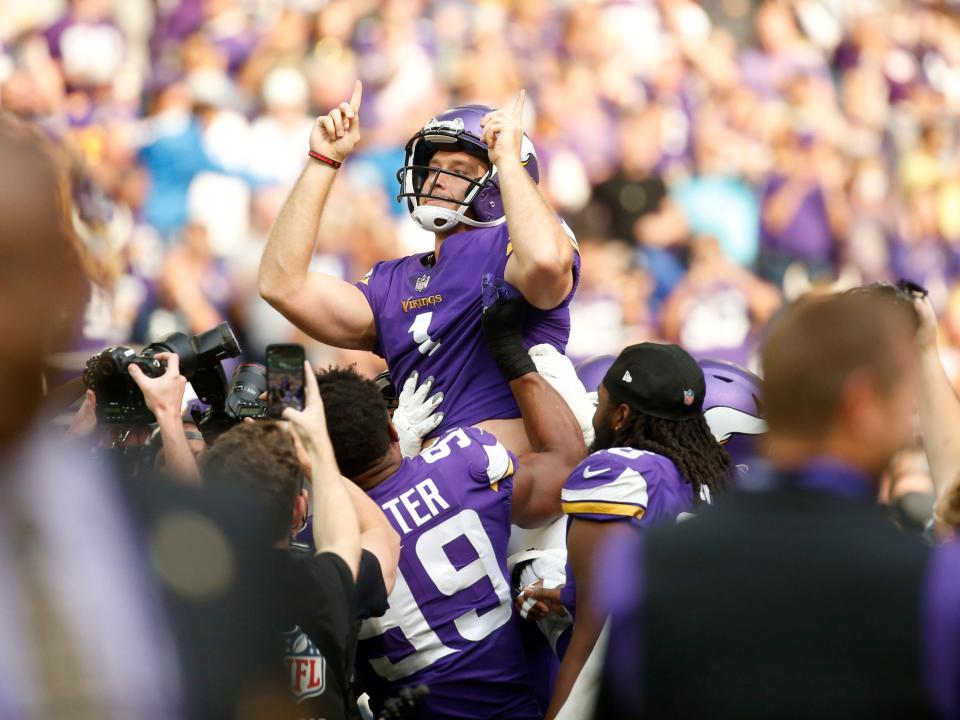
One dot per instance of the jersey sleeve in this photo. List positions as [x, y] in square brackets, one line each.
[604, 488]
[490, 461]
[373, 285]
[576, 263]
[487, 461]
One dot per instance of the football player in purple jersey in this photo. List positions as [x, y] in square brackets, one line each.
[470, 177]
[449, 625]
[653, 458]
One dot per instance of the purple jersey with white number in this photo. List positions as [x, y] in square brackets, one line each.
[449, 625]
[428, 319]
[625, 485]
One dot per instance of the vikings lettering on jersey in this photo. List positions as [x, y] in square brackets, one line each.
[621, 484]
[428, 319]
[449, 621]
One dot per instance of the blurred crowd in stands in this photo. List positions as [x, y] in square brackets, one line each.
[714, 158]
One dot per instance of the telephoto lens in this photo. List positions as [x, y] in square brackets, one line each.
[249, 382]
[202, 351]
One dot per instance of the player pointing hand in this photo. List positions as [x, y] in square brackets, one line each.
[337, 133]
[503, 132]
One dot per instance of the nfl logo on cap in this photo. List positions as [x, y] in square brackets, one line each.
[688, 397]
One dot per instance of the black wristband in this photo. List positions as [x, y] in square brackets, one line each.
[502, 324]
[513, 361]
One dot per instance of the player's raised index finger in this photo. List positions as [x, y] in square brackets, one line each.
[518, 106]
[357, 94]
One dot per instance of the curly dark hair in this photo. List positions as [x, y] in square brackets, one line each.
[357, 419]
[691, 446]
[260, 459]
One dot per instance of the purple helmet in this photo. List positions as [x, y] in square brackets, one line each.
[456, 129]
[733, 409]
[591, 372]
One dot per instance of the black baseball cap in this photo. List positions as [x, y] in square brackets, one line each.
[657, 379]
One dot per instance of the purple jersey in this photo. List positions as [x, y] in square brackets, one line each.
[428, 319]
[621, 484]
[449, 624]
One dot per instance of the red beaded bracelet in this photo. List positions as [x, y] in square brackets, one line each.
[325, 160]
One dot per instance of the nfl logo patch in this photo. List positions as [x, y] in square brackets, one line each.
[688, 397]
[422, 283]
[306, 666]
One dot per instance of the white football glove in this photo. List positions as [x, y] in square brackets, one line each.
[558, 371]
[414, 417]
[550, 568]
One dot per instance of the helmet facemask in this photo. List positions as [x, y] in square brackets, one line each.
[417, 185]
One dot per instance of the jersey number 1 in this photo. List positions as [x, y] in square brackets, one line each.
[420, 330]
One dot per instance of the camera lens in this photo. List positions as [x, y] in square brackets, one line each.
[249, 382]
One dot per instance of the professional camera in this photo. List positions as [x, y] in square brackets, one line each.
[241, 400]
[248, 383]
[119, 400]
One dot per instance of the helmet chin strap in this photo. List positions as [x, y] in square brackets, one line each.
[439, 219]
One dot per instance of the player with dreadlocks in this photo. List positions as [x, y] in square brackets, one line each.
[653, 458]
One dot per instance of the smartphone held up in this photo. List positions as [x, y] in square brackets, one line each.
[285, 380]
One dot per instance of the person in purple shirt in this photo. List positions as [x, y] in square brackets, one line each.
[654, 458]
[450, 621]
[803, 209]
[796, 596]
[470, 178]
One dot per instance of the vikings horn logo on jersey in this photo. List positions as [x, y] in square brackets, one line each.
[307, 667]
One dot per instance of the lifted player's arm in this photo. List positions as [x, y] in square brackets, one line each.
[541, 265]
[324, 307]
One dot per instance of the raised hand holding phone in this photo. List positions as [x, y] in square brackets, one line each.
[285, 378]
[335, 525]
[310, 424]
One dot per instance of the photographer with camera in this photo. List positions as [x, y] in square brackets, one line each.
[163, 396]
[327, 592]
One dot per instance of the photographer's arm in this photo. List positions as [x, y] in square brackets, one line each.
[335, 525]
[376, 534]
[164, 397]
